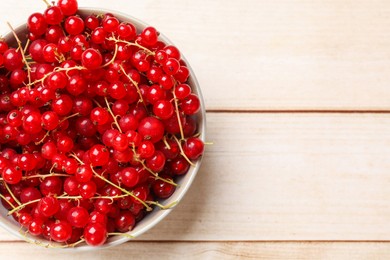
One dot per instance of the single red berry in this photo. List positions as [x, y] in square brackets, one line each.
[190, 105]
[163, 189]
[50, 120]
[91, 22]
[74, 25]
[53, 15]
[156, 162]
[12, 175]
[125, 221]
[87, 190]
[99, 116]
[149, 36]
[48, 206]
[62, 105]
[129, 177]
[84, 173]
[99, 155]
[68, 7]
[36, 24]
[78, 217]
[171, 66]
[163, 109]
[95, 234]
[182, 91]
[91, 58]
[13, 59]
[193, 148]
[110, 24]
[35, 227]
[151, 129]
[61, 231]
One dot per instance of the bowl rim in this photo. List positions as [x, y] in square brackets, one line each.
[14, 227]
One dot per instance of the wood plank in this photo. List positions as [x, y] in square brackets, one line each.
[287, 177]
[209, 250]
[267, 54]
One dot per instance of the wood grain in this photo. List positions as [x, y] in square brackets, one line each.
[287, 177]
[267, 54]
[209, 250]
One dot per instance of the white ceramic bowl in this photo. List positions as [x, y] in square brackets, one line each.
[184, 182]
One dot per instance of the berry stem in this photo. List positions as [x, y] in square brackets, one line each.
[26, 46]
[156, 175]
[149, 52]
[112, 114]
[43, 176]
[177, 112]
[19, 42]
[11, 193]
[47, 3]
[22, 206]
[165, 142]
[135, 84]
[113, 57]
[152, 172]
[182, 152]
[169, 206]
[123, 190]
[5, 199]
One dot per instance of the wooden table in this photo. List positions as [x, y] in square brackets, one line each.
[298, 101]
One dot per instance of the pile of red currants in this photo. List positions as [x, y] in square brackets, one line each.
[97, 121]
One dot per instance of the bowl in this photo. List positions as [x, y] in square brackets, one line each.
[153, 217]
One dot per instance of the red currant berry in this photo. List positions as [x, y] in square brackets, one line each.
[36, 24]
[68, 7]
[53, 15]
[163, 109]
[193, 148]
[60, 231]
[152, 129]
[48, 206]
[99, 155]
[91, 59]
[78, 217]
[95, 234]
[163, 189]
[74, 25]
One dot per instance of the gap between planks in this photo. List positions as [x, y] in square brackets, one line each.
[297, 111]
[238, 241]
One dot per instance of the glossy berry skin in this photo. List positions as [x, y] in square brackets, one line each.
[53, 15]
[60, 231]
[37, 24]
[95, 234]
[190, 104]
[91, 59]
[163, 109]
[50, 120]
[12, 59]
[48, 206]
[11, 175]
[193, 148]
[151, 129]
[74, 25]
[162, 189]
[78, 217]
[98, 155]
[125, 221]
[68, 7]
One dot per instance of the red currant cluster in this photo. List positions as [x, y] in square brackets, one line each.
[97, 121]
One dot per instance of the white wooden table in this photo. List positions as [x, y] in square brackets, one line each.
[298, 101]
